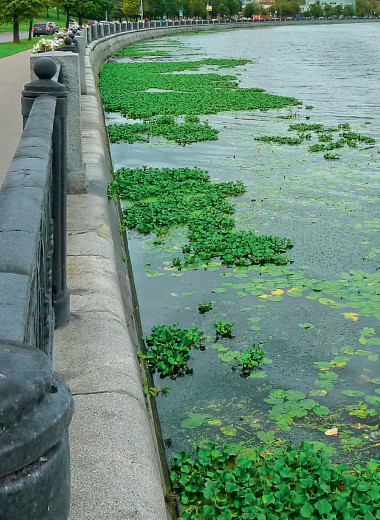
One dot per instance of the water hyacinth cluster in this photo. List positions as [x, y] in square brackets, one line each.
[158, 199]
[144, 90]
[218, 482]
[183, 133]
[325, 135]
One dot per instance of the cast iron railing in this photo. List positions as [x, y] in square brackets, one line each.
[35, 404]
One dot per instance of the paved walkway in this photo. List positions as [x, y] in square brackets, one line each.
[14, 73]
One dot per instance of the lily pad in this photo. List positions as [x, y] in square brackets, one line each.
[306, 326]
[257, 375]
[195, 420]
[326, 301]
[352, 393]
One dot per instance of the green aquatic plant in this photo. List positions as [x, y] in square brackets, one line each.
[331, 157]
[169, 349]
[249, 360]
[141, 50]
[292, 141]
[144, 90]
[325, 143]
[317, 148]
[191, 131]
[154, 391]
[158, 199]
[223, 329]
[290, 405]
[205, 307]
[221, 482]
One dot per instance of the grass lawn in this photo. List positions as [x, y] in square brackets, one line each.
[51, 17]
[9, 48]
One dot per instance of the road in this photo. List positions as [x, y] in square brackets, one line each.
[8, 36]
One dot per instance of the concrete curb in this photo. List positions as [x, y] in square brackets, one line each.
[116, 471]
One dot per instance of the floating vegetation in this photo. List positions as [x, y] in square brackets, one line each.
[205, 307]
[340, 397]
[169, 349]
[347, 138]
[223, 329]
[292, 141]
[290, 405]
[357, 290]
[154, 391]
[249, 360]
[331, 157]
[140, 50]
[191, 131]
[160, 199]
[144, 90]
[224, 482]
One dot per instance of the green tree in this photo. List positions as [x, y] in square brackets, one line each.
[81, 8]
[172, 7]
[328, 10]
[233, 7]
[338, 10]
[199, 8]
[316, 9]
[349, 10]
[251, 9]
[67, 6]
[293, 7]
[15, 10]
[363, 8]
[131, 8]
[117, 10]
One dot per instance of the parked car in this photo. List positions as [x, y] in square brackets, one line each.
[54, 26]
[42, 29]
[92, 22]
[73, 24]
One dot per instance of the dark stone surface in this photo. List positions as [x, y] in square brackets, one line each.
[35, 406]
[40, 491]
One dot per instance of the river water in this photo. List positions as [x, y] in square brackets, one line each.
[325, 306]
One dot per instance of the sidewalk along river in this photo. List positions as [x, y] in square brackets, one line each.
[253, 227]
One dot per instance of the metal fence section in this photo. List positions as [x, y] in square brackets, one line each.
[35, 404]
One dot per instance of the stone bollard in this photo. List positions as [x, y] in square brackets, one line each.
[69, 45]
[94, 35]
[35, 409]
[101, 30]
[83, 34]
[81, 46]
[69, 76]
[123, 26]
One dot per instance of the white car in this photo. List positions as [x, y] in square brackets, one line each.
[73, 25]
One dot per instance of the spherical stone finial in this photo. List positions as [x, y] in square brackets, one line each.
[68, 40]
[45, 68]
